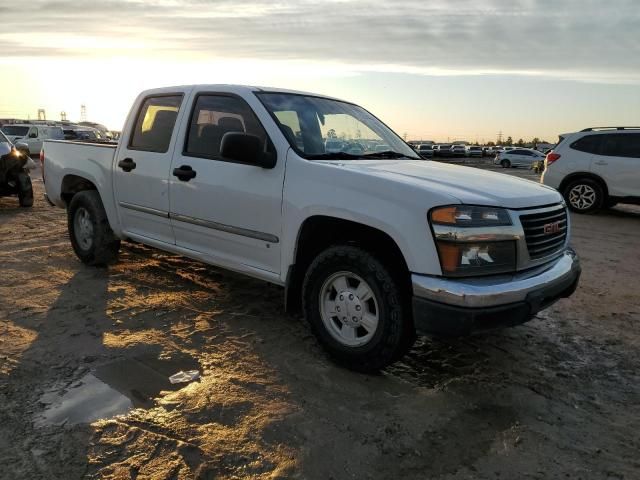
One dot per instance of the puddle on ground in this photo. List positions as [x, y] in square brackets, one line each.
[113, 389]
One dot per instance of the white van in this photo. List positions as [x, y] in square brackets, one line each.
[32, 135]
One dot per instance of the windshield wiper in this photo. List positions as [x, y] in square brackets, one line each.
[386, 154]
[334, 156]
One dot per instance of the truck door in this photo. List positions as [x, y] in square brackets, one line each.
[228, 211]
[141, 169]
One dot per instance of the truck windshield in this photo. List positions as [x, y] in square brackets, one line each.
[15, 130]
[322, 128]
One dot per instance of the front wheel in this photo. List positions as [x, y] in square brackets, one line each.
[505, 163]
[91, 236]
[356, 309]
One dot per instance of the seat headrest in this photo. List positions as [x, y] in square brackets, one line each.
[231, 124]
[165, 119]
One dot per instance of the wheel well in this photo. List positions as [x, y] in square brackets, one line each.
[320, 232]
[72, 184]
[579, 175]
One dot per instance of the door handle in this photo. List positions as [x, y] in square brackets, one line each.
[184, 173]
[127, 164]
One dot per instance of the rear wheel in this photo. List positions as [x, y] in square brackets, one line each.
[584, 195]
[356, 310]
[25, 190]
[91, 236]
[505, 163]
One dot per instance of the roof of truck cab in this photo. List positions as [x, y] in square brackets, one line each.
[233, 88]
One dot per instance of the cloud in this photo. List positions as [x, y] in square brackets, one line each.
[580, 39]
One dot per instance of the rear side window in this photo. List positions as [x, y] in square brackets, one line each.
[154, 124]
[215, 115]
[621, 145]
[588, 144]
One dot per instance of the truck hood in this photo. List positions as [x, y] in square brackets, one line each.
[467, 185]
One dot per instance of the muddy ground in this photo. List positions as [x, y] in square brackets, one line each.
[85, 354]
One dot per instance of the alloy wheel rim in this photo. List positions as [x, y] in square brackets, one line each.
[349, 309]
[83, 228]
[582, 196]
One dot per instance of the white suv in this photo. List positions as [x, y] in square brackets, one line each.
[596, 167]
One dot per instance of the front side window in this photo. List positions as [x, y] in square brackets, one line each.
[154, 125]
[322, 128]
[215, 115]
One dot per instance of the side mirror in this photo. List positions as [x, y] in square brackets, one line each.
[33, 135]
[246, 148]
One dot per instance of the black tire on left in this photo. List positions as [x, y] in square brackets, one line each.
[104, 245]
[25, 189]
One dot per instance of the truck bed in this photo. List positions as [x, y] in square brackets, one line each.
[64, 159]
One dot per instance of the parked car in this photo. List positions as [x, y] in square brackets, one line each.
[333, 145]
[475, 151]
[104, 131]
[518, 157]
[459, 151]
[354, 148]
[32, 135]
[370, 251]
[444, 151]
[493, 151]
[596, 167]
[14, 173]
[425, 150]
[83, 133]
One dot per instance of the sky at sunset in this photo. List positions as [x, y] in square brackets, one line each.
[456, 69]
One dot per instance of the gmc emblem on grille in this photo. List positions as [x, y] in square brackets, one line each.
[552, 227]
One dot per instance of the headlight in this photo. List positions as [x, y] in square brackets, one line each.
[470, 216]
[469, 242]
[476, 258]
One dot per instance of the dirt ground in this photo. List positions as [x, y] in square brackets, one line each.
[85, 354]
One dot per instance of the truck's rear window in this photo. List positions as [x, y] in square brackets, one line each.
[155, 123]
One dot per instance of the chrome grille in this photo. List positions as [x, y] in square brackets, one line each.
[540, 243]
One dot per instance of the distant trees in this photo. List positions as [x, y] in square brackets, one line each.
[332, 134]
[533, 143]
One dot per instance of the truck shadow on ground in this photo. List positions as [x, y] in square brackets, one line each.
[269, 402]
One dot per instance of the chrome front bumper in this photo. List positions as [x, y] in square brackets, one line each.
[487, 302]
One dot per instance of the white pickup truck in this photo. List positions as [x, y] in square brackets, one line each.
[372, 247]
